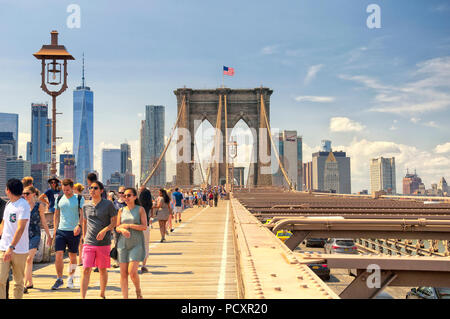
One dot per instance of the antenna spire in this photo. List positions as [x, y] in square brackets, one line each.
[82, 79]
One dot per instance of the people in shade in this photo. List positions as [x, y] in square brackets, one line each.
[131, 224]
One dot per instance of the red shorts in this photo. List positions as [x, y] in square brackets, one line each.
[96, 256]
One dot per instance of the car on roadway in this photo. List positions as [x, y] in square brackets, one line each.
[315, 242]
[340, 246]
[428, 293]
[283, 235]
[320, 270]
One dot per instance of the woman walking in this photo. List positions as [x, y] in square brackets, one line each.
[37, 217]
[131, 224]
[145, 199]
[163, 211]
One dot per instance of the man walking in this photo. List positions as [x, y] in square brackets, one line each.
[51, 194]
[14, 242]
[178, 208]
[99, 220]
[67, 223]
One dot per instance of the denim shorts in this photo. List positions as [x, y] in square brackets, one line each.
[34, 242]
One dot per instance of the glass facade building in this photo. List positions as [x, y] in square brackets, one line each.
[40, 148]
[9, 122]
[152, 144]
[110, 163]
[83, 130]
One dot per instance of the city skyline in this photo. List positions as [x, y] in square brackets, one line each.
[380, 92]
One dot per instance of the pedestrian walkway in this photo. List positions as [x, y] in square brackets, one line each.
[196, 261]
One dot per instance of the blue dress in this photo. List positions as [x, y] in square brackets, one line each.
[34, 229]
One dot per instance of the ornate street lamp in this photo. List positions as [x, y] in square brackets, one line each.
[52, 71]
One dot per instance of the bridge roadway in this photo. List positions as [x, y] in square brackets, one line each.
[215, 253]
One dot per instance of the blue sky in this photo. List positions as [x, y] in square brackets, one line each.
[373, 92]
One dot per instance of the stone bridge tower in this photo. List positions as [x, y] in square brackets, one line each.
[242, 104]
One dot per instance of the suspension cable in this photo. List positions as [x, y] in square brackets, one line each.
[183, 105]
[263, 110]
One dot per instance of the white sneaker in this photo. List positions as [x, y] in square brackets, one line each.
[70, 283]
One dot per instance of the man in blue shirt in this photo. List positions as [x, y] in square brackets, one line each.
[51, 194]
[178, 204]
[67, 225]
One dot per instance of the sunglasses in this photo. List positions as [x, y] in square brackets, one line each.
[26, 194]
[121, 193]
[128, 195]
[94, 187]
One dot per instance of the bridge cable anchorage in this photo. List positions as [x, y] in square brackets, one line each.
[263, 111]
[183, 106]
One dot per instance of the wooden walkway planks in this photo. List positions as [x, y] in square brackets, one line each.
[188, 265]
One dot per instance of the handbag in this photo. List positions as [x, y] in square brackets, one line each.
[113, 253]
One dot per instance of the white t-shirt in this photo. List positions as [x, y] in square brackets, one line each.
[13, 213]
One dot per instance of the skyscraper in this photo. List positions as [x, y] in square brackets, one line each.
[323, 170]
[2, 174]
[382, 175]
[411, 183]
[64, 160]
[126, 164]
[7, 144]
[40, 134]
[110, 163]
[17, 168]
[291, 157]
[9, 122]
[83, 129]
[152, 144]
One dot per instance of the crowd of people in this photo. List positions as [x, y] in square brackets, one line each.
[99, 230]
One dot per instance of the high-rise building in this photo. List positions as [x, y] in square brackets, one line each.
[40, 173]
[62, 162]
[382, 175]
[307, 176]
[40, 134]
[8, 144]
[83, 129]
[152, 144]
[67, 166]
[324, 171]
[443, 187]
[110, 163]
[412, 183]
[290, 151]
[126, 164]
[2, 174]
[9, 122]
[17, 168]
[326, 146]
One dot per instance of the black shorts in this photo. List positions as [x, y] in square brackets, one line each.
[65, 239]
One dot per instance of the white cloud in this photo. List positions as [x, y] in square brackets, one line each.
[429, 166]
[431, 124]
[442, 148]
[312, 71]
[270, 49]
[344, 124]
[427, 91]
[415, 120]
[318, 99]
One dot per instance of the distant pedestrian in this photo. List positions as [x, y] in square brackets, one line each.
[51, 194]
[67, 224]
[99, 220]
[37, 218]
[163, 211]
[145, 199]
[14, 245]
[131, 223]
[216, 197]
[178, 207]
[210, 197]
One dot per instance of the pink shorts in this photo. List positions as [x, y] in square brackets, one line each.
[96, 256]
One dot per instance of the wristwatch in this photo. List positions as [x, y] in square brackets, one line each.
[12, 247]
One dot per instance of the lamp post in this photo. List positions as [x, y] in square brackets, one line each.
[52, 56]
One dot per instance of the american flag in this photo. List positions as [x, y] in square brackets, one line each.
[228, 71]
